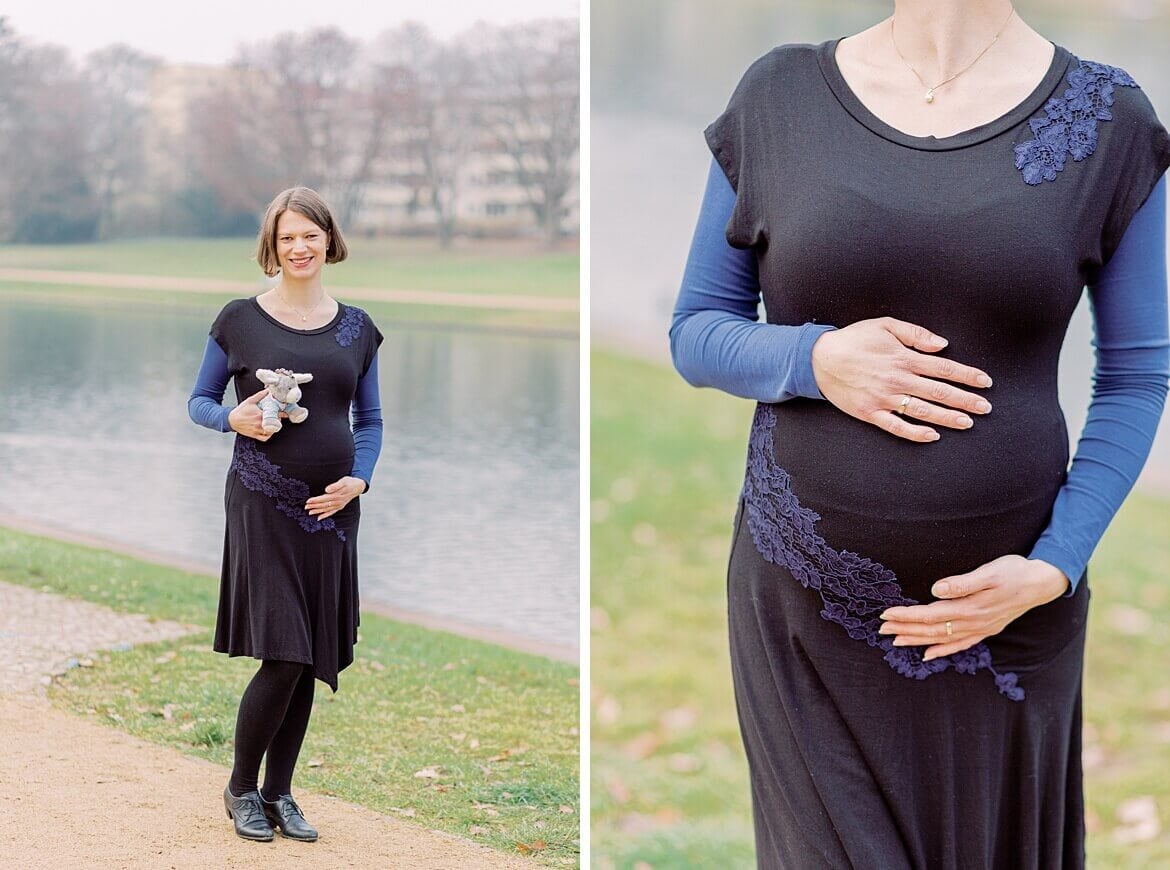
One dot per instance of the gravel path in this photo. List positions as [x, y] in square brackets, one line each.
[77, 794]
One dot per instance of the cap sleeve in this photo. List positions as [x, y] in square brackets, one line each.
[737, 141]
[222, 327]
[1145, 146]
[373, 342]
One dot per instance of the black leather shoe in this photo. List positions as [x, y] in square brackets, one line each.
[247, 812]
[284, 813]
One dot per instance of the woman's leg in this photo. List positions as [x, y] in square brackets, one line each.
[262, 710]
[286, 743]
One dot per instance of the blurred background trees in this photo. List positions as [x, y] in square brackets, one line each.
[404, 135]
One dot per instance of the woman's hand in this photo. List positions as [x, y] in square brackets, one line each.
[337, 495]
[975, 605]
[247, 418]
[869, 368]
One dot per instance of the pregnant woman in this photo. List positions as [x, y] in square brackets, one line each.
[920, 207]
[289, 587]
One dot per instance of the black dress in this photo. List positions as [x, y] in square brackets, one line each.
[861, 754]
[289, 585]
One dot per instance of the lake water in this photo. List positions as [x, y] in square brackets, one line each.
[473, 512]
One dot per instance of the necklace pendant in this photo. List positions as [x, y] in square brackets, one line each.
[930, 95]
[304, 319]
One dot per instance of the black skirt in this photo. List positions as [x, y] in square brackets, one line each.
[862, 755]
[289, 585]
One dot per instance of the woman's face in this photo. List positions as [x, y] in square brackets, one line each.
[300, 246]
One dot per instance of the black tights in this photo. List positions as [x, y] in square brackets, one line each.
[274, 715]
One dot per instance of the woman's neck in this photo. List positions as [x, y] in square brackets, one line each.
[941, 37]
[300, 293]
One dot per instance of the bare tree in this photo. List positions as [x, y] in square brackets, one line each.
[436, 134]
[529, 97]
[44, 191]
[302, 110]
[118, 79]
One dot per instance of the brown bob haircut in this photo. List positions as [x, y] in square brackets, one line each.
[304, 201]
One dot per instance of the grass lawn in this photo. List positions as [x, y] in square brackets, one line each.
[669, 782]
[523, 268]
[455, 734]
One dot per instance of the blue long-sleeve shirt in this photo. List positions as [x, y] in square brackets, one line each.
[716, 341]
[205, 408]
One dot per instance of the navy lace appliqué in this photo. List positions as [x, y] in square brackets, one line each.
[255, 471]
[1069, 124]
[350, 326]
[853, 589]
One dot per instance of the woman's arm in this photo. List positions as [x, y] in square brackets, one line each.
[205, 404]
[715, 340]
[1129, 389]
[868, 369]
[367, 425]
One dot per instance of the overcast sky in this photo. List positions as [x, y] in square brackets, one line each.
[208, 31]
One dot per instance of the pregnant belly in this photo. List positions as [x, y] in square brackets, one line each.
[923, 510]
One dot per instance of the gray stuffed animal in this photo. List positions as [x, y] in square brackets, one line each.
[283, 393]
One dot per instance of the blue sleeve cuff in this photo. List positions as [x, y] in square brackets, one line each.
[204, 406]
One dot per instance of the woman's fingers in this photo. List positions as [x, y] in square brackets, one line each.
[896, 425]
[948, 370]
[255, 397]
[942, 393]
[913, 335]
[928, 413]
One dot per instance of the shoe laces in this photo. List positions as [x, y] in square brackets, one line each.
[249, 810]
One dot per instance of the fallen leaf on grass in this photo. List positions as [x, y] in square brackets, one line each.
[486, 809]
[682, 763]
[427, 773]
[168, 656]
[476, 830]
[618, 790]
[566, 809]
[473, 743]
[377, 666]
[315, 762]
[457, 708]
[608, 710]
[409, 813]
[449, 666]
[529, 848]
[481, 680]
[679, 719]
[642, 746]
[167, 712]
[1128, 620]
[1139, 820]
[458, 738]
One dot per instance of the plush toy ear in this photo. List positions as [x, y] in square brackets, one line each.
[267, 376]
[303, 379]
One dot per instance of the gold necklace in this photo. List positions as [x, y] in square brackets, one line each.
[305, 316]
[930, 90]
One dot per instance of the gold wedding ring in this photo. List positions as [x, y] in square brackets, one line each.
[904, 405]
[950, 631]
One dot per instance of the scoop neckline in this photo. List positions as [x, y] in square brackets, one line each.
[827, 59]
[315, 331]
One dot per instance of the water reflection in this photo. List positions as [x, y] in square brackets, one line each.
[473, 513]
